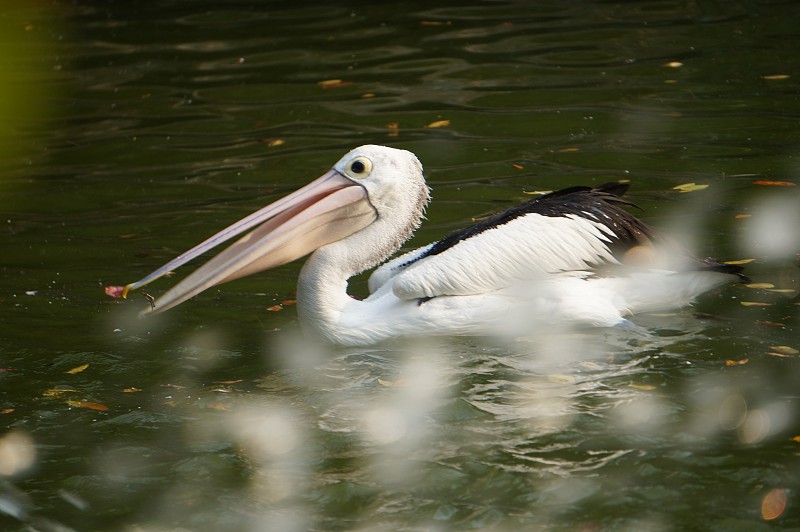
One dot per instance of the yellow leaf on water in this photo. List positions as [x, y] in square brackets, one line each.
[773, 504]
[760, 285]
[88, 404]
[689, 187]
[333, 83]
[6, 411]
[77, 369]
[57, 392]
[781, 290]
[438, 123]
[131, 390]
[673, 64]
[645, 387]
[754, 304]
[772, 183]
[796, 438]
[399, 383]
[567, 150]
[518, 166]
[740, 216]
[275, 308]
[274, 143]
[773, 77]
[779, 355]
[739, 362]
[537, 192]
[784, 349]
[742, 261]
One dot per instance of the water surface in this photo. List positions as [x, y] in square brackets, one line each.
[133, 132]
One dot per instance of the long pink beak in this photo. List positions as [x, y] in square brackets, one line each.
[324, 211]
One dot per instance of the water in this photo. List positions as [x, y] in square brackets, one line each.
[132, 132]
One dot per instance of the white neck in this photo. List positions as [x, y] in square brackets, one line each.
[321, 293]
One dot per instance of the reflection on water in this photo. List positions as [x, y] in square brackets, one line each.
[171, 120]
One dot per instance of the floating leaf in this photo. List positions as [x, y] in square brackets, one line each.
[738, 262]
[740, 362]
[289, 302]
[399, 383]
[274, 143]
[796, 438]
[767, 323]
[567, 150]
[644, 387]
[518, 166]
[773, 504]
[784, 349]
[114, 291]
[88, 404]
[367, 95]
[333, 83]
[394, 129]
[740, 216]
[77, 369]
[770, 183]
[57, 392]
[673, 64]
[131, 390]
[537, 192]
[754, 304]
[710, 316]
[275, 308]
[782, 290]
[689, 187]
[438, 123]
[760, 285]
[6, 411]
[235, 381]
[773, 77]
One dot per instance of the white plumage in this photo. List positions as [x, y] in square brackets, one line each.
[559, 257]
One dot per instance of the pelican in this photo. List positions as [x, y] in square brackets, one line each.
[574, 255]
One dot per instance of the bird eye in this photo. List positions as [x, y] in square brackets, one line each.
[359, 168]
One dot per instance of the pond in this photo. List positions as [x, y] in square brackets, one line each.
[131, 132]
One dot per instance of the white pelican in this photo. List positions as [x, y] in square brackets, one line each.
[557, 257]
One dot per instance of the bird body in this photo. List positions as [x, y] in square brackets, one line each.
[561, 257]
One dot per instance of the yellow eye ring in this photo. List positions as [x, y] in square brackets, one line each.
[358, 168]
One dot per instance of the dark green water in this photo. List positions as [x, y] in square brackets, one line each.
[131, 132]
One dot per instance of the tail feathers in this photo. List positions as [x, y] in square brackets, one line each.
[710, 264]
[614, 188]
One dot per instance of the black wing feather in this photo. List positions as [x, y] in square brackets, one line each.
[599, 204]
